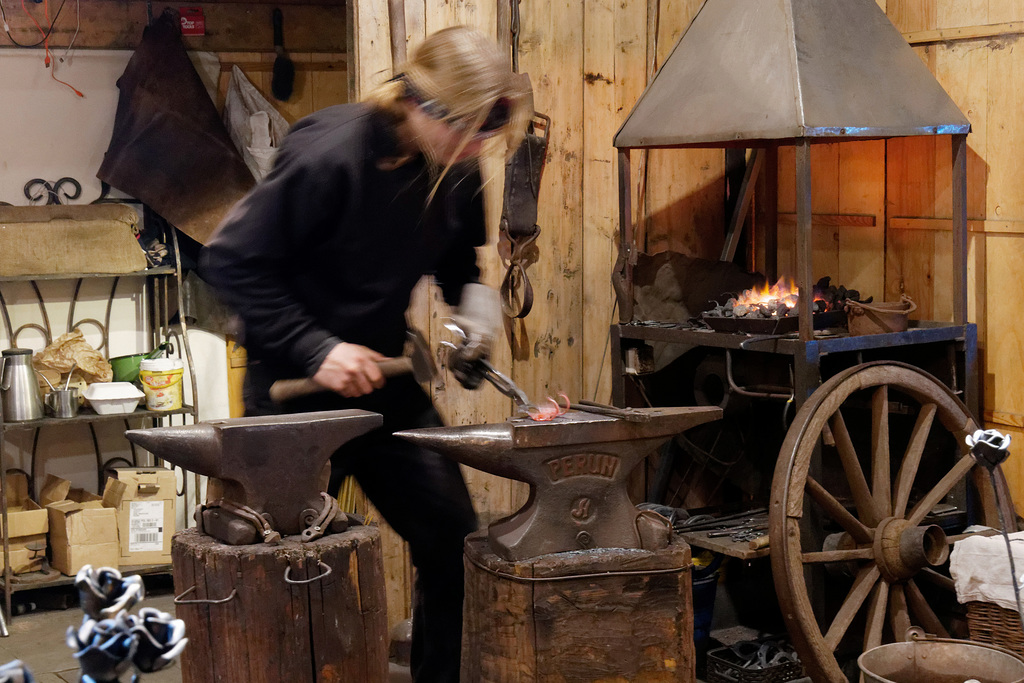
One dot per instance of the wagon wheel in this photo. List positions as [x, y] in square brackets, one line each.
[890, 441]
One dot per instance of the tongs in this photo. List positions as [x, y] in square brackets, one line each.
[503, 383]
[506, 386]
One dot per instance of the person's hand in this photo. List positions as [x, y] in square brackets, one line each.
[350, 370]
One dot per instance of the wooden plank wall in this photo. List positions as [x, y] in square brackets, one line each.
[309, 25]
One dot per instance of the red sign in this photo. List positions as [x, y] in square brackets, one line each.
[193, 23]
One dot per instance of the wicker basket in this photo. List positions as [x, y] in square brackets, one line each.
[995, 625]
[723, 666]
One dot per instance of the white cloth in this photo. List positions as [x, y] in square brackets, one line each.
[980, 569]
[255, 126]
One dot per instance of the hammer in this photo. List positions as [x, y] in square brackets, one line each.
[418, 361]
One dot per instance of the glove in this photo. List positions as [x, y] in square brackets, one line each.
[466, 366]
[479, 318]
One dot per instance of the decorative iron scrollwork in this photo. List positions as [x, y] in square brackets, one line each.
[37, 190]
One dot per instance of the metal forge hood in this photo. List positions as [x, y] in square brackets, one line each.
[749, 71]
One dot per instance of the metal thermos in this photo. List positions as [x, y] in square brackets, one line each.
[20, 397]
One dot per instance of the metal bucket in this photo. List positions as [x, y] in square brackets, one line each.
[939, 660]
[879, 318]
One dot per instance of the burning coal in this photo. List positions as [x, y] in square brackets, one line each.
[782, 299]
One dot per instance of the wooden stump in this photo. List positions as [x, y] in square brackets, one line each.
[301, 630]
[597, 615]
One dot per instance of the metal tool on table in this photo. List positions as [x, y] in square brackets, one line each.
[270, 467]
[418, 361]
[577, 468]
[740, 533]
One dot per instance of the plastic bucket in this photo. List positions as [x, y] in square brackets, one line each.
[705, 588]
[161, 383]
[940, 661]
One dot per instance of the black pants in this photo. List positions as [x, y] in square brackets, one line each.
[422, 495]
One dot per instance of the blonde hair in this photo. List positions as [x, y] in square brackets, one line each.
[466, 73]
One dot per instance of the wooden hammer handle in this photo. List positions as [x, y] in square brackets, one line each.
[760, 542]
[287, 389]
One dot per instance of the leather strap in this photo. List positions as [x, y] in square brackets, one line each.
[518, 225]
[319, 525]
[263, 528]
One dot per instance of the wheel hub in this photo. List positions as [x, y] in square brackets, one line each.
[902, 550]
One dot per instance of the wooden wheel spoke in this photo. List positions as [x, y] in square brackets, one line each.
[862, 585]
[880, 474]
[866, 507]
[937, 579]
[876, 616]
[834, 509]
[939, 491]
[959, 537]
[912, 458]
[899, 613]
[838, 555]
[920, 608]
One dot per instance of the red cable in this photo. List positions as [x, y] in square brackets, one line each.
[46, 44]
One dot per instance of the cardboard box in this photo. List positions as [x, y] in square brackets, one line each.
[24, 560]
[145, 498]
[83, 530]
[25, 517]
[27, 525]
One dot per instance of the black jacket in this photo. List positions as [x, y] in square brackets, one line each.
[329, 246]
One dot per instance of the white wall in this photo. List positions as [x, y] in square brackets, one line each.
[48, 132]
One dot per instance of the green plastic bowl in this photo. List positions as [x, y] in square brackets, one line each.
[126, 368]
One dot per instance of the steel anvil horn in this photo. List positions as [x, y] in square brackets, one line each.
[270, 464]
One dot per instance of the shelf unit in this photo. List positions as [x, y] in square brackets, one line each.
[161, 285]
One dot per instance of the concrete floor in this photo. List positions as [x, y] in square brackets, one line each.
[37, 636]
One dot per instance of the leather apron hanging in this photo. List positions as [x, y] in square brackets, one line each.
[169, 148]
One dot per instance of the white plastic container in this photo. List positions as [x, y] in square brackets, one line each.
[113, 398]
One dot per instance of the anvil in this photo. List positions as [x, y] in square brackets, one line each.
[576, 465]
[269, 464]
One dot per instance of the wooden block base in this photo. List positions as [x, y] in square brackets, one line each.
[253, 622]
[597, 615]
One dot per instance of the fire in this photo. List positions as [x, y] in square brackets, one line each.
[784, 290]
[547, 413]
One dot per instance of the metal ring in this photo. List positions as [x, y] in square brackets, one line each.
[288, 570]
[178, 598]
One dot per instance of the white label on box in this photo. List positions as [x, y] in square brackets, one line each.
[146, 526]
